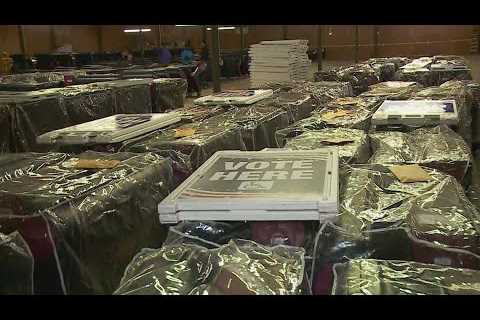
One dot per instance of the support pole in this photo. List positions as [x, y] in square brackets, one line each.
[53, 39]
[319, 48]
[356, 44]
[375, 41]
[284, 32]
[158, 37]
[142, 45]
[21, 36]
[215, 59]
[242, 39]
[100, 38]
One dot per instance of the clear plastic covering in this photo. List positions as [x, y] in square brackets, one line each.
[16, 269]
[26, 115]
[269, 233]
[439, 148]
[353, 144]
[198, 140]
[397, 61]
[354, 112]
[380, 277]
[457, 91]
[240, 267]
[392, 90]
[168, 94]
[422, 76]
[29, 115]
[84, 103]
[474, 88]
[385, 70]
[85, 216]
[31, 81]
[6, 143]
[129, 96]
[196, 113]
[360, 76]
[383, 218]
[322, 91]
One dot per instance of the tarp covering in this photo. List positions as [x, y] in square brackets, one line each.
[240, 267]
[98, 218]
[380, 277]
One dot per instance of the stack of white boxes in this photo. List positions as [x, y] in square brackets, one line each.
[278, 62]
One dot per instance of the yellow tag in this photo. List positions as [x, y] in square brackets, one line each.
[184, 132]
[347, 100]
[96, 164]
[335, 114]
[410, 173]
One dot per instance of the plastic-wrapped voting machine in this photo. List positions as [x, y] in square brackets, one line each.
[6, 143]
[349, 112]
[28, 114]
[439, 148]
[474, 89]
[381, 277]
[360, 76]
[353, 145]
[83, 217]
[168, 94]
[259, 122]
[418, 70]
[198, 140]
[385, 70]
[383, 218]
[397, 61]
[392, 90]
[16, 269]
[130, 96]
[31, 81]
[457, 91]
[196, 113]
[85, 103]
[446, 68]
[240, 267]
[322, 91]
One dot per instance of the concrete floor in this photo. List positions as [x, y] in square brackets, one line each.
[243, 83]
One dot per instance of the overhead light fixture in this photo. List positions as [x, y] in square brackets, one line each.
[136, 30]
[223, 28]
[186, 25]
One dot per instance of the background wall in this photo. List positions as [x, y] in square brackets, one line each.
[409, 40]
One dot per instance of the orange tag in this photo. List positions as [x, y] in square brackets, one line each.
[184, 132]
[95, 164]
[410, 173]
[335, 114]
[347, 100]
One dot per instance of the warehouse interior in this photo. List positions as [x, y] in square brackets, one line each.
[239, 159]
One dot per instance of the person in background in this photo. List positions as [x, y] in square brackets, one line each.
[164, 55]
[186, 56]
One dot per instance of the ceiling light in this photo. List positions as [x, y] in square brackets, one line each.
[137, 30]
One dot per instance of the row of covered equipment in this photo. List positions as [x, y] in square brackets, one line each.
[305, 188]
